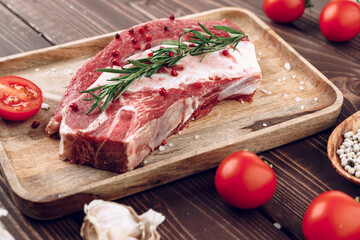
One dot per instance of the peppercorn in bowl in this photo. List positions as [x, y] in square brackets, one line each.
[344, 148]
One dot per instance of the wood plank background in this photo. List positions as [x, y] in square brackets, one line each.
[192, 207]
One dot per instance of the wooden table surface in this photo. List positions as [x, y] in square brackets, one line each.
[192, 207]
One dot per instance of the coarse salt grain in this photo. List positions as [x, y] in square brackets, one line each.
[301, 87]
[258, 59]
[264, 124]
[179, 132]
[287, 66]
[294, 76]
[36, 69]
[53, 69]
[279, 79]
[47, 73]
[3, 212]
[302, 107]
[315, 99]
[197, 137]
[277, 225]
[284, 78]
[259, 53]
[44, 106]
[170, 144]
[302, 82]
[285, 95]
[297, 99]
[161, 148]
[264, 91]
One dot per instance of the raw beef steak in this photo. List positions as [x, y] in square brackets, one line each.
[153, 108]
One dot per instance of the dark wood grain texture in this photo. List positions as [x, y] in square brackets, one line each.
[16, 35]
[192, 208]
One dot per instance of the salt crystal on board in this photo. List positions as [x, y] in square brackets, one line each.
[287, 66]
[45, 106]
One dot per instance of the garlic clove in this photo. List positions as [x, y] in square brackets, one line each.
[106, 220]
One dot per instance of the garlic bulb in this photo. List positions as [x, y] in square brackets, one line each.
[106, 220]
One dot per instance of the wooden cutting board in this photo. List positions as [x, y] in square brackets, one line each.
[289, 105]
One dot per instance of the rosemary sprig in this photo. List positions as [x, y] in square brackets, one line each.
[202, 43]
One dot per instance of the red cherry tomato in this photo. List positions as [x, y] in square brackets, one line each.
[340, 20]
[332, 215]
[245, 181]
[19, 98]
[284, 11]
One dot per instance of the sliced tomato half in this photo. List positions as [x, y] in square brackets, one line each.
[20, 98]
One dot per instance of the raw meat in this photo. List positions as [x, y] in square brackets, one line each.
[124, 45]
[153, 108]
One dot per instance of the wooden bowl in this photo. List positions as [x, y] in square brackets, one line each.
[336, 138]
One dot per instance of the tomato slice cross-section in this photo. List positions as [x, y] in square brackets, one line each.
[20, 98]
